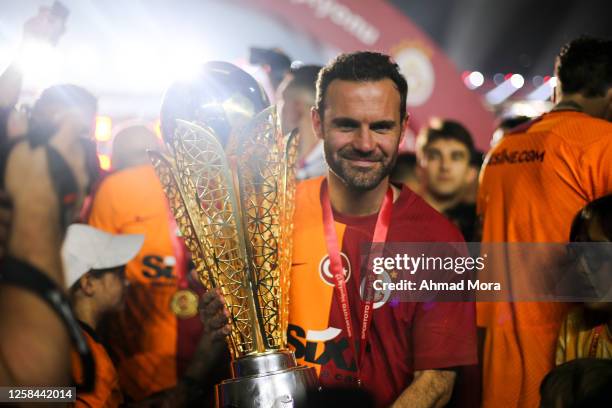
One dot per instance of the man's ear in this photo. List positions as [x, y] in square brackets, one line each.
[86, 284]
[556, 93]
[316, 122]
[471, 175]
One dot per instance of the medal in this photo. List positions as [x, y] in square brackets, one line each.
[184, 304]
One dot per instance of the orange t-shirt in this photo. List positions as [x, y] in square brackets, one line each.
[532, 185]
[106, 393]
[143, 337]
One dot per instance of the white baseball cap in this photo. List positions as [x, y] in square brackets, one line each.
[86, 248]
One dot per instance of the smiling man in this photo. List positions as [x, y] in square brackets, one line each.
[410, 351]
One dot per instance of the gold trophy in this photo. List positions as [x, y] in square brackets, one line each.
[234, 206]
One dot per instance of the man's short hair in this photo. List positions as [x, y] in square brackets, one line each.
[305, 77]
[67, 96]
[584, 382]
[447, 130]
[584, 66]
[363, 66]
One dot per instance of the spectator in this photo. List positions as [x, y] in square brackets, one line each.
[143, 338]
[95, 270]
[445, 152]
[43, 179]
[532, 184]
[95, 274]
[581, 383]
[45, 182]
[586, 330]
[405, 171]
[295, 98]
[130, 147]
[273, 60]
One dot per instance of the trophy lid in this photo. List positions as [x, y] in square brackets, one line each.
[221, 96]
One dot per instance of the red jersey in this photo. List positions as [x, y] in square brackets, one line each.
[404, 337]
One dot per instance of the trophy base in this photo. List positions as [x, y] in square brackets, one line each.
[267, 380]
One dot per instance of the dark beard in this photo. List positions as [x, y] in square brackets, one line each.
[360, 180]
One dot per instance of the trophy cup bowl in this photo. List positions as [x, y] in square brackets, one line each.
[233, 200]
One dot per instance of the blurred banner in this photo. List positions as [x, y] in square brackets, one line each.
[435, 87]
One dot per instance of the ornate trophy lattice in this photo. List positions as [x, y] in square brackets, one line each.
[234, 209]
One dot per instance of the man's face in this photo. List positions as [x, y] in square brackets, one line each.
[361, 130]
[111, 289]
[446, 164]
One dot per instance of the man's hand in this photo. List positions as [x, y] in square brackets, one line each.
[212, 348]
[45, 26]
[214, 315]
[429, 389]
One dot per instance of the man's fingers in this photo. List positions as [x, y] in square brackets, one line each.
[221, 334]
[212, 308]
[210, 296]
[217, 321]
[211, 302]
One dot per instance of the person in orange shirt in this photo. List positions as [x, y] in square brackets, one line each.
[532, 184]
[144, 337]
[94, 264]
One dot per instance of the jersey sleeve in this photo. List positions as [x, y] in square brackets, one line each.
[596, 159]
[444, 335]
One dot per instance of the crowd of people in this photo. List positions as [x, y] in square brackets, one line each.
[97, 287]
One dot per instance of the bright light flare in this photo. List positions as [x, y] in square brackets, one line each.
[105, 161]
[544, 91]
[157, 129]
[517, 81]
[474, 80]
[84, 60]
[104, 126]
[146, 66]
[40, 63]
[504, 90]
